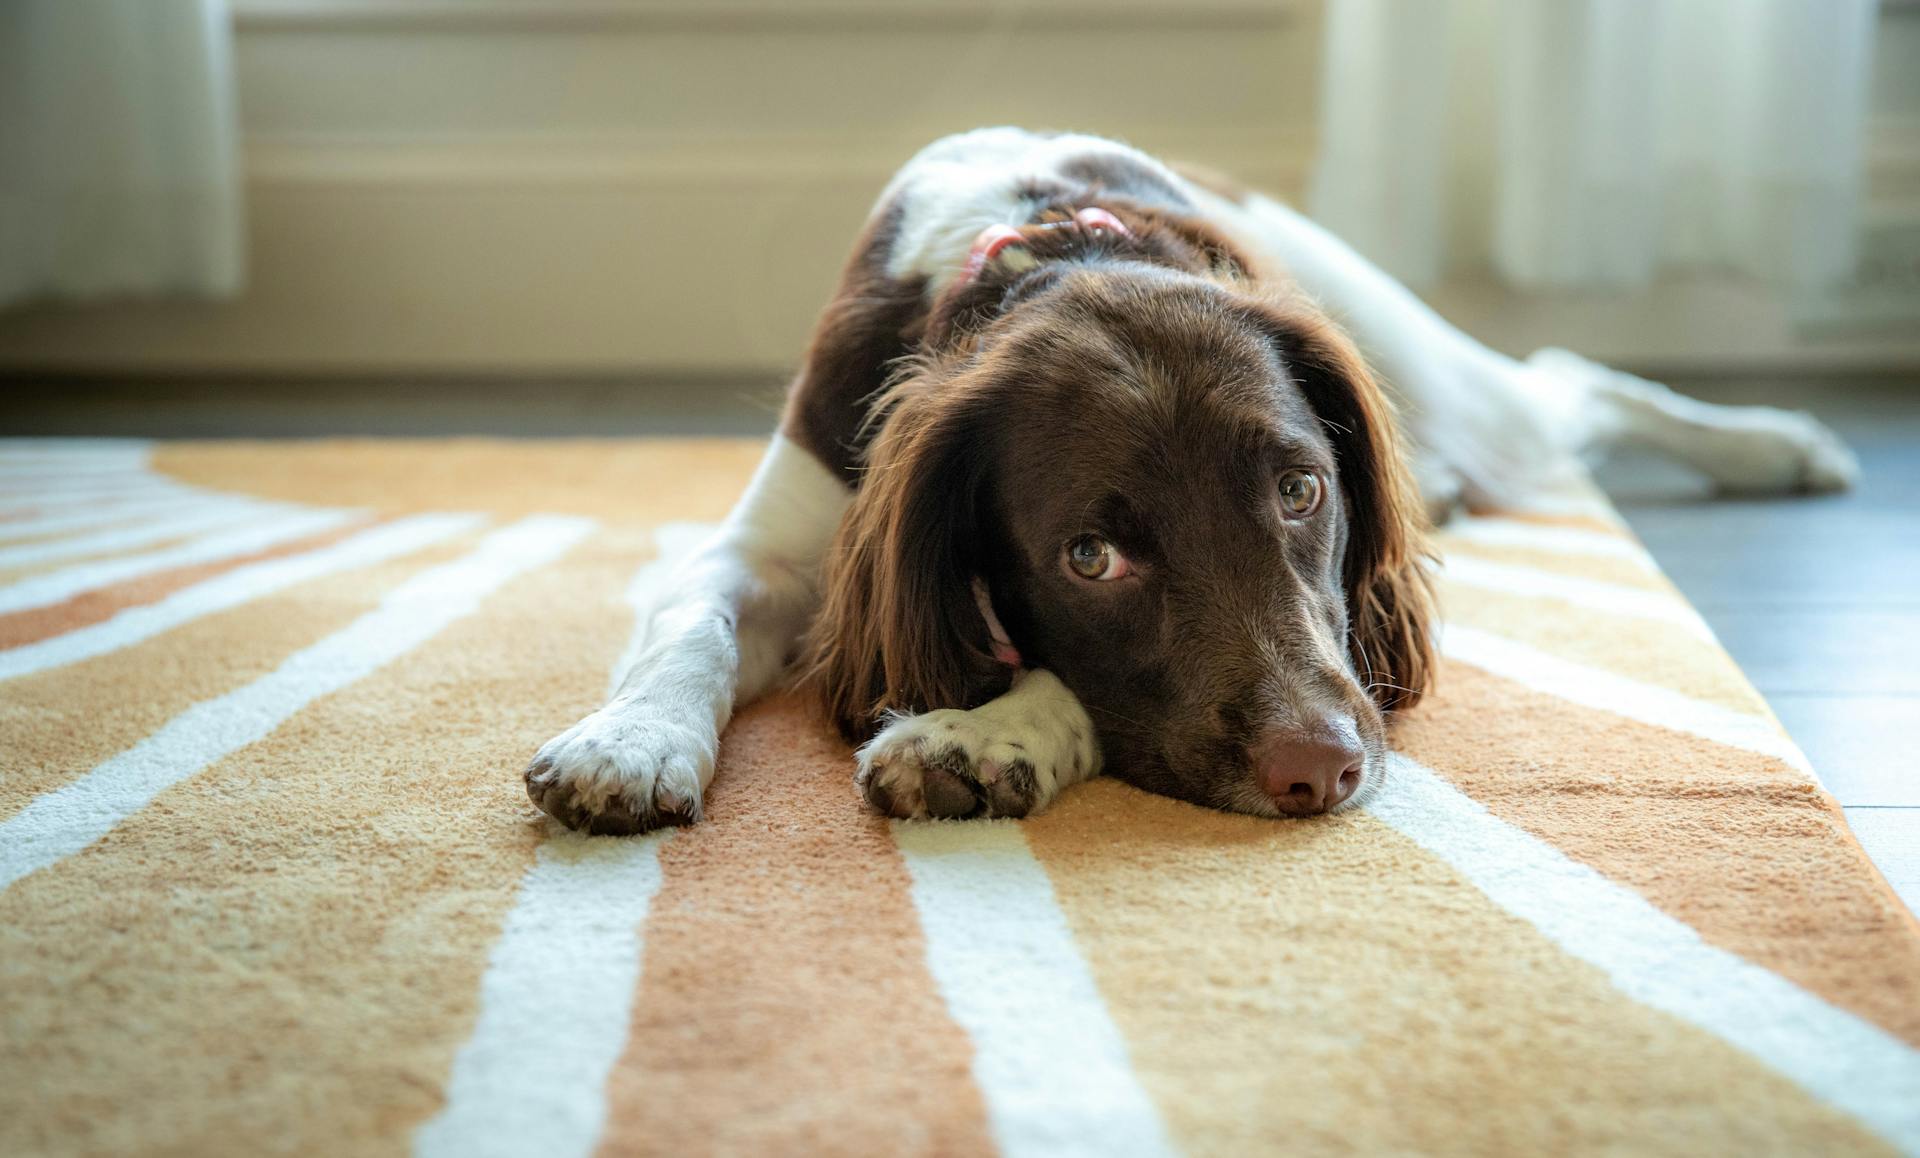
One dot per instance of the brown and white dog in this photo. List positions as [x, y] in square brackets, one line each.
[1085, 469]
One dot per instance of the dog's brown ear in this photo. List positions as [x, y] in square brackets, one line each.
[898, 629]
[1390, 606]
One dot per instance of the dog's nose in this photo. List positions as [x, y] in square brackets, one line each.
[1311, 772]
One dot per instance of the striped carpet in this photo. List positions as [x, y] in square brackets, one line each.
[269, 881]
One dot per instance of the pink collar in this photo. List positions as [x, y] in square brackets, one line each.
[996, 239]
[1003, 649]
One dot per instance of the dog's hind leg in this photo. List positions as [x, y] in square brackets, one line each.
[720, 632]
[1743, 449]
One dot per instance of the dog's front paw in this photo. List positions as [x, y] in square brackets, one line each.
[624, 769]
[946, 765]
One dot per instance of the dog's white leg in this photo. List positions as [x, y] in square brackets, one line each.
[1753, 449]
[1008, 757]
[720, 633]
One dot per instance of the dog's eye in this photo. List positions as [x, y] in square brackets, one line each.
[1299, 493]
[1092, 557]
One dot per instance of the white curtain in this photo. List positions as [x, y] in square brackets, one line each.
[1596, 142]
[119, 167]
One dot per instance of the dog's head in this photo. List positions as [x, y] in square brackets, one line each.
[1182, 498]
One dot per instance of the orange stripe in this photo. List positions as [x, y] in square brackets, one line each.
[623, 480]
[1601, 568]
[61, 722]
[785, 1004]
[92, 607]
[1649, 650]
[1744, 849]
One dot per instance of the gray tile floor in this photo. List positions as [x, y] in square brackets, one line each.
[1817, 598]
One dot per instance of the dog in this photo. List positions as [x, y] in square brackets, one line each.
[1092, 465]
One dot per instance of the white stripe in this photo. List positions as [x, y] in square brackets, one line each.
[14, 468]
[1491, 531]
[79, 465]
[230, 589]
[1575, 503]
[31, 445]
[1594, 688]
[99, 516]
[555, 1005]
[60, 484]
[1047, 1057]
[105, 455]
[70, 467]
[558, 991]
[34, 503]
[1659, 961]
[1612, 598]
[182, 521]
[58, 586]
[60, 823]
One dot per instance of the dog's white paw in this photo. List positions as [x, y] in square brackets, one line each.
[942, 764]
[624, 769]
[1786, 450]
[1744, 449]
[1003, 759]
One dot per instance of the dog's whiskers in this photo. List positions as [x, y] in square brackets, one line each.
[1114, 714]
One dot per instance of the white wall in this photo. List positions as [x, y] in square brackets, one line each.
[661, 185]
